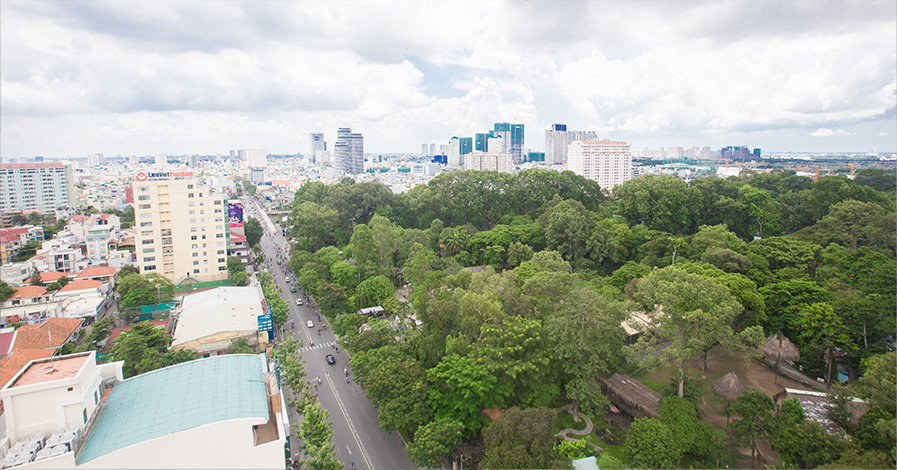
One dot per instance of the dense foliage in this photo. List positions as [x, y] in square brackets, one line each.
[509, 290]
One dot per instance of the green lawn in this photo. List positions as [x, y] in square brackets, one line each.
[565, 421]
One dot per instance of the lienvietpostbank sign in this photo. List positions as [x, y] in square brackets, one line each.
[162, 175]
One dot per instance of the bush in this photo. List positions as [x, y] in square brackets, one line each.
[609, 462]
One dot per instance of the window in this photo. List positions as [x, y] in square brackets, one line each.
[189, 186]
[196, 263]
[151, 267]
[84, 415]
[145, 206]
[222, 268]
[193, 229]
[193, 237]
[218, 203]
[147, 242]
[149, 258]
[192, 212]
[149, 250]
[220, 252]
[221, 260]
[195, 271]
[191, 204]
[204, 236]
[146, 215]
[194, 246]
[195, 254]
[96, 398]
[146, 233]
[192, 221]
[146, 224]
[190, 195]
[142, 189]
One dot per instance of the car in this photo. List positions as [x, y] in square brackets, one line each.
[293, 289]
[310, 324]
[298, 301]
[278, 261]
[330, 359]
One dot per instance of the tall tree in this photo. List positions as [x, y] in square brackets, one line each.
[460, 389]
[687, 312]
[434, 442]
[650, 444]
[6, 291]
[521, 439]
[315, 435]
[823, 329]
[757, 419]
[254, 231]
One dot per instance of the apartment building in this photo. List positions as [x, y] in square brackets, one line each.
[181, 227]
[36, 186]
[607, 162]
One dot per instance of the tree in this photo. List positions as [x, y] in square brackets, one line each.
[460, 389]
[25, 252]
[681, 417]
[137, 290]
[140, 348]
[661, 202]
[332, 300]
[347, 324]
[98, 332]
[6, 291]
[879, 382]
[235, 265]
[877, 179]
[567, 228]
[854, 224]
[822, 328]
[687, 312]
[650, 443]
[521, 439]
[58, 284]
[785, 299]
[240, 278]
[313, 225]
[374, 291]
[253, 230]
[240, 346]
[757, 420]
[345, 275]
[806, 445]
[315, 435]
[434, 442]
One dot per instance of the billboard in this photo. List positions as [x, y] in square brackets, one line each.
[235, 214]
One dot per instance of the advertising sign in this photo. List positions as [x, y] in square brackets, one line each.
[235, 214]
[266, 322]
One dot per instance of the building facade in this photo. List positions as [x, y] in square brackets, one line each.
[349, 151]
[557, 140]
[255, 158]
[181, 229]
[607, 162]
[489, 161]
[36, 186]
[316, 143]
[512, 139]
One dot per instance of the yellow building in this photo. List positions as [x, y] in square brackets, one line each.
[181, 227]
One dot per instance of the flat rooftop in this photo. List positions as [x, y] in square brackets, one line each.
[48, 370]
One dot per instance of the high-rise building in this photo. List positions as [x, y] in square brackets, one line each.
[349, 151]
[255, 158]
[432, 149]
[161, 160]
[481, 141]
[489, 161]
[558, 138]
[181, 228]
[424, 150]
[41, 186]
[135, 160]
[607, 162]
[316, 144]
[512, 139]
[97, 159]
[466, 145]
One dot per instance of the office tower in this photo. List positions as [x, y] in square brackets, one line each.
[489, 161]
[348, 151]
[423, 150]
[161, 160]
[481, 141]
[97, 159]
[607, 162]
[512, 135]
[181, 228]
[316, 144]
[41, 186]
[432, 149]
[466, 145]
[193, 161]
[255, 158]
[135, 160]
[233, 155]
[558, 139]
[456, 150]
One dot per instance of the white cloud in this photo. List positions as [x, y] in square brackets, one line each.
[823, 132]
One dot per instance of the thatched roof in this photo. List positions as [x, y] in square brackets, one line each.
[778, 344]
[632, 394]
[728, 387]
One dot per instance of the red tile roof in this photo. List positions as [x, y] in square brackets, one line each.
[15, 361]
[81, 285]
[96, 271]
[49, 334]
[13, 231]
[25, 292]
[6, 342]
[53, 276]
[236, 237]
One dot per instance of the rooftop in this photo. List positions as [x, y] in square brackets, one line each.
[97, 271]
[48, 334]
[81, 285]
[213, 311]
[54, 368]
[29, 291]
[53, 276]
[11, 365]
[177, 398]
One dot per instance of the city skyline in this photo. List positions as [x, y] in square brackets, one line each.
[81, 78]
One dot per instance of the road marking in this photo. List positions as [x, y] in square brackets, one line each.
[339, 402]
[350, 450]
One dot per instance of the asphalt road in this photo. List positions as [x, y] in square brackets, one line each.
[357, 434]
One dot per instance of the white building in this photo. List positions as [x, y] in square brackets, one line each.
[209, 321]
[316, 143]
[181, 228]
[40, 186]
[489, 161]
[557, 140]
[607, 162]
[255, 158]
[161, 160]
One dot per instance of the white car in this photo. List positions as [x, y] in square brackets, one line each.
[309, 324]
[298, 301]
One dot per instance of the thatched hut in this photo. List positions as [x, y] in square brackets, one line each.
[779, 347]
[728, 387]
[630, 395]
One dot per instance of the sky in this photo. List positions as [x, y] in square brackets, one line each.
[205, 77]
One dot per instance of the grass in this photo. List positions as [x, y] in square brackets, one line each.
[565, 421]
[656, 386]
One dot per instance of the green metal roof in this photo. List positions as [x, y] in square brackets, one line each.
[176, 398]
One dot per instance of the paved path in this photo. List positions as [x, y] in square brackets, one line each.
[585, 432]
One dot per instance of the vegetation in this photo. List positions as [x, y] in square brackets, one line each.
[144, 348]
[557, 265]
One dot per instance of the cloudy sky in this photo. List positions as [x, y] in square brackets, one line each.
[182, 77]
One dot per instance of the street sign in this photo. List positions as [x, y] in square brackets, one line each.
[266, 322]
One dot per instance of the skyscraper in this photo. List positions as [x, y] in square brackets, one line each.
[512, 139]
[349, 151]
[424, 150]
[557, 140]
[607, 162]
[161, 160]
[41, 186]
[316, 144]
[255, 158]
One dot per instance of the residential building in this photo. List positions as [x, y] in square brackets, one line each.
[97, 241]
[238, 246]
[17, 274]
[181, 229]
[209, 321]
[489, 161]
[557, 140]
[95, 160]
[349, 151]
[255, 158]
[84, 299]
[48, 335]
[512, 139]
[161, 160]
[607, 162]
[36, 186]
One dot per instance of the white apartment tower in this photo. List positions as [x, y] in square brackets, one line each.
[255, 158]
[348, 151]
[316, 145]
[41, 186]
[489, 161]
[181, 228]
[161, 160]
[607, 162]
[558, 138]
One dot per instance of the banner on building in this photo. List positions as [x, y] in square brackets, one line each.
[235, 214]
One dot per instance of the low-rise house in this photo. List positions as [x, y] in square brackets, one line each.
[104, 274]
[84, 299]
[209, 321]
[237, 246]
[17, 274]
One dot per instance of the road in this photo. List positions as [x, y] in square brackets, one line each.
[357, 434]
